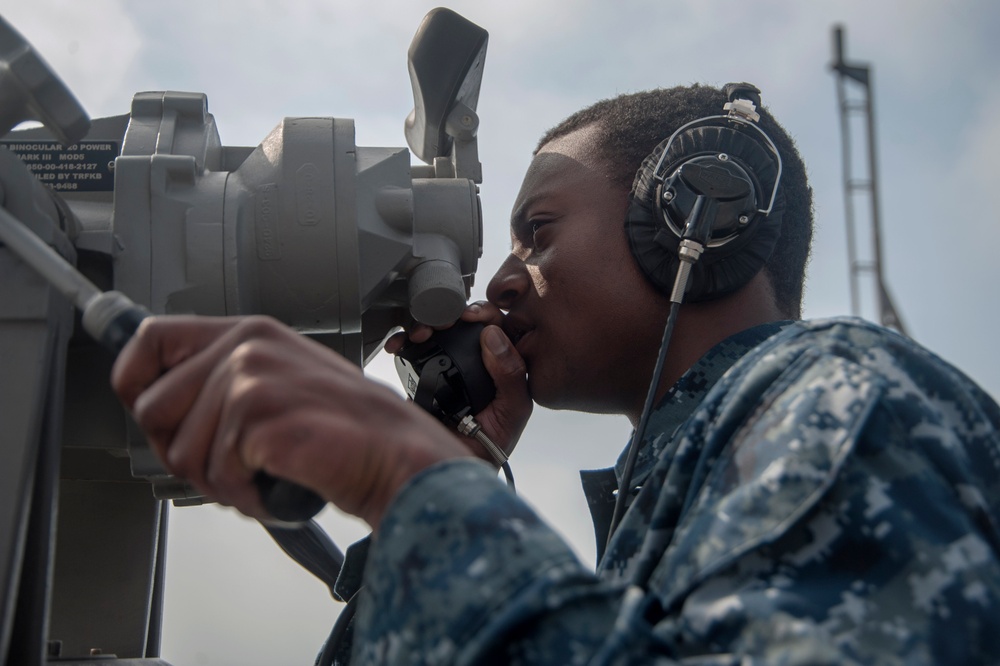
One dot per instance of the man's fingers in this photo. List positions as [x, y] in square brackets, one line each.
[507, 415]
[161, 377]
[415, 333]
[480, 311]
[221, 399]
[164, 408]
[483, 312]
[161, 373]
[205, 448]
[503, 362]
[322, 450]
[159, 344]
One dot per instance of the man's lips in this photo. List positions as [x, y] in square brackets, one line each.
[516, 329]
[519, 342]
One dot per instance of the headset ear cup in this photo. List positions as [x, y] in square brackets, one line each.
[723, 269]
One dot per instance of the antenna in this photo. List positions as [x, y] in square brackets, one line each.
[859, 77]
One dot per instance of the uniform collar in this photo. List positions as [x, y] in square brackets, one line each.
[668, 416]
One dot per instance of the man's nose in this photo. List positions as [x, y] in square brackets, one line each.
[510, 283]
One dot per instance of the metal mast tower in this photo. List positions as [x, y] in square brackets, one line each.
[869, 264]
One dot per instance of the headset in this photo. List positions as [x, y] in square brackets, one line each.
[714, 181]
[703, 218]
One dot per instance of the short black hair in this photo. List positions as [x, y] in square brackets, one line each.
[632, 125]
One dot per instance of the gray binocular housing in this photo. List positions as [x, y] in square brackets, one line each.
[341, 242]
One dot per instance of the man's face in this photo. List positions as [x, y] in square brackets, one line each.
[580, 313]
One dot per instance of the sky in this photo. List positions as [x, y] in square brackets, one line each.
[234, 598]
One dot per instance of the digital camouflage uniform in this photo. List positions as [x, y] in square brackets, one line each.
[833, 498]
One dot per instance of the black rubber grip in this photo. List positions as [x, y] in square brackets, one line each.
[120, 330]
[288, 502]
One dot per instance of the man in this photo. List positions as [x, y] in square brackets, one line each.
[804, 493]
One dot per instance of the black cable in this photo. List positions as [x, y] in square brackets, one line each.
[510, 477]
[312, 548]
[624, 488]
[335, 650]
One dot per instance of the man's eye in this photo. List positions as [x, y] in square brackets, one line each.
[537, 224]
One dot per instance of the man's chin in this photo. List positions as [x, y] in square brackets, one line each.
[552, 395]
[559, 396]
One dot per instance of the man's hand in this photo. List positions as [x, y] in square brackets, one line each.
[221, 398]
[504, 418]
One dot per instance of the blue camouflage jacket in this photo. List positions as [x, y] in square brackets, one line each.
[826, 493]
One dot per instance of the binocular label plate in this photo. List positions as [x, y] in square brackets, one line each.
[87, 166]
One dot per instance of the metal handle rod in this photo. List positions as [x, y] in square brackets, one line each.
[61, 274]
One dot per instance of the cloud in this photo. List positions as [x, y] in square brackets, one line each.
[90, 46]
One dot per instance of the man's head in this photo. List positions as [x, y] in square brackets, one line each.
[630, 126]
[581, 313]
